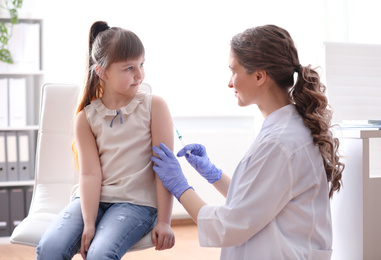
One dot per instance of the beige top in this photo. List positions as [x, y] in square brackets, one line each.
[125, 148]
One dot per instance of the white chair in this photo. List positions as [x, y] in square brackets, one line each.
[55, 173]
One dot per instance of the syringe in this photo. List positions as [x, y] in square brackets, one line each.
[181, 139]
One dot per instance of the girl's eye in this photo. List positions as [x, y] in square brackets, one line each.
[142, 64]
[129, 68]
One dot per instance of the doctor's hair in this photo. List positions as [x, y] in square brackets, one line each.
[271, 48]
[107, 45]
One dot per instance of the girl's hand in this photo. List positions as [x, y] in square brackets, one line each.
[87, 236]
[163, 236]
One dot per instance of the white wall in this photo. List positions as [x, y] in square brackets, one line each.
[187, 42]
[226, 144]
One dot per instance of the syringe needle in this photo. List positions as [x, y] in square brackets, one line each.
[181, 139]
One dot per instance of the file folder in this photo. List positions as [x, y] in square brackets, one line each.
[17, 102]
[32, 48]
[17, 206]
[11, 147]
[24, 162]
[16, 47]
[3, 167]
[4, 213]
[3, 102]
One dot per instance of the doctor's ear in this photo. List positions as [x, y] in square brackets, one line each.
[260, 76]
[100, 71]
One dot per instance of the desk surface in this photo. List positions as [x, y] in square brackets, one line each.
[360, 133]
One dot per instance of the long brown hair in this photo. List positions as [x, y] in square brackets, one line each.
[107, 45]
[272, 49]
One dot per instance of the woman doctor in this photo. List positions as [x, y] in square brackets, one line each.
[277, 203]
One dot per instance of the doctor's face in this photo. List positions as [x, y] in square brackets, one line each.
[244, 85]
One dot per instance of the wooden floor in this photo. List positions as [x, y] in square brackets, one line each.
[186, 248]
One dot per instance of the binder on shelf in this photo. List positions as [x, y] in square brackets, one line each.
[3, 102]
[32, 49]
[3, 166]
[16, 47]
[24, 164]
[12, 164]
[17, 102]
[16, 207]
[4, 213]
[24, 46]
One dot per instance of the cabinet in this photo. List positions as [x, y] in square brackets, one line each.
[20, 85]
[356, 209]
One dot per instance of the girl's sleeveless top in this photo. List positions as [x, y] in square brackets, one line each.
[124, 143]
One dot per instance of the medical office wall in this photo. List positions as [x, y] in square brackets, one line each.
[187, 42]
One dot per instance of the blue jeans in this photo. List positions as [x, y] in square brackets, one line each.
[118, 227]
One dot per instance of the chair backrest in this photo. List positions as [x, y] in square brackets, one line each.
[55, 173]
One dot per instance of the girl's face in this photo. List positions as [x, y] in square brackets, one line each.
[125, 77]
[244, 85]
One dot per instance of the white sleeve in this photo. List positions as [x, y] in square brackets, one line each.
[260, 188]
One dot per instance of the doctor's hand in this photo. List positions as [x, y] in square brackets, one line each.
[200, 161]
[169, 171]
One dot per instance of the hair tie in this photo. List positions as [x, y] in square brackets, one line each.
[298, 68]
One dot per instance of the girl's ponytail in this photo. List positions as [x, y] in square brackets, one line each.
[93, 88]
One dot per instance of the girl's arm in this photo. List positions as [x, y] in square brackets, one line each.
[90, 178]
[162, 132]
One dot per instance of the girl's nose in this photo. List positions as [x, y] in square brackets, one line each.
[139, 74]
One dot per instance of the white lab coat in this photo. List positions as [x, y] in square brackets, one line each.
[277, 206]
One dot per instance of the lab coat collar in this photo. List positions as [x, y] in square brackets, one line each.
[277, 117]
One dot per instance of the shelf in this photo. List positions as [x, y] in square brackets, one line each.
[16, 183]
[21, 18]
[19, 128]
[21, 80]
[22, 73]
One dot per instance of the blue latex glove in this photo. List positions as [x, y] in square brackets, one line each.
[169, 171]
[200, 161]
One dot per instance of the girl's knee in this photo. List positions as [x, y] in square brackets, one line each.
[51, 250]
[101, 253]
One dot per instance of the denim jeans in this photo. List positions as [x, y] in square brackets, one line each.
[118, 227]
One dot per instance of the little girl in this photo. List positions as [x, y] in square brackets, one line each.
[119, 198]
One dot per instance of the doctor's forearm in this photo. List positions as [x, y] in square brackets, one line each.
[192, 203]
[223, 184]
